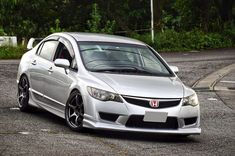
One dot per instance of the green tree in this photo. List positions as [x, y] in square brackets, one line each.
[57, 27]
[95, 23]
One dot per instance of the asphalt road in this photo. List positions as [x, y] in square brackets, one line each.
[41, 133]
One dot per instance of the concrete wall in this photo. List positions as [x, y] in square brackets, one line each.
[8, 41]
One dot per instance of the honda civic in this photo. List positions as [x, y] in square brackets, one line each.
[107, 82]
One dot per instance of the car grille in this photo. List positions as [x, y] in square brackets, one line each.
[136, 121]
[163, 103]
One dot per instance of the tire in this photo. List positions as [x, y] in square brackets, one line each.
[74, 111]
[23, 94]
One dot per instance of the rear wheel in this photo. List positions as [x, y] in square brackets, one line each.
[23, 94]
[74, 111]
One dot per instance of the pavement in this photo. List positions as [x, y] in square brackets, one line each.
[209, 81]
[222, 82]
[225, 89]
[41, 133]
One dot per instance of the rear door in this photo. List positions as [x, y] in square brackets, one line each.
[39, 67]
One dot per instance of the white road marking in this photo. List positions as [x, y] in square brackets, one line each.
[45, 130]
[221, 88]
[227, 81]
[24, 133]
[14, 108]
[212, 99]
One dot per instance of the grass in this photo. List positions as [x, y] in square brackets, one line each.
[7, 52]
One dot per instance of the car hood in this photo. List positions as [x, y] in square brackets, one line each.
[143, 86]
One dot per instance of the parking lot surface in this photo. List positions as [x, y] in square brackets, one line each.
[41, 133]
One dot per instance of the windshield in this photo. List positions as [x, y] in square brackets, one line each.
[121, 58]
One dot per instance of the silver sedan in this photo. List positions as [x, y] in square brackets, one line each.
[106, 82]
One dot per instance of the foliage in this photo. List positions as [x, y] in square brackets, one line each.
[8, 52]
[2, 33]
[170, 40]
[94, 24]
[57, 27]
[26, 28]
[198, 23]
[146, 38]
[229, 31]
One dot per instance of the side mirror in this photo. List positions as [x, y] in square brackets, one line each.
[174, 69]
[63, 63]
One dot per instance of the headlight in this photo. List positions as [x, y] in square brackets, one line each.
[103, 95]
[191, 100]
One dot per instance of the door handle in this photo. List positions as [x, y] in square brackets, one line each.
[50, 70]
[34, 62]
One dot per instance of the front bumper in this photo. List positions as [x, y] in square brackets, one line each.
[115, 127]
[122, 113]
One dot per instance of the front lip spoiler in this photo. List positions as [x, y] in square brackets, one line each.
[114, 127]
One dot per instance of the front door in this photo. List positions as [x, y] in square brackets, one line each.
[58, 81]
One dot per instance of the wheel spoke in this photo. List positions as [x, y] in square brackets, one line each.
[72, 106]
[25, 86]
[73, 115]
[21, 96]
[21, 99]
[76, 120]
[21, 88]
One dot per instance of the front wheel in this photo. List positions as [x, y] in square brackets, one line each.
[74, 111]
[23, 94]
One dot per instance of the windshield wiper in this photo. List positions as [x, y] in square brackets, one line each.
[124, 69]
[88, 49]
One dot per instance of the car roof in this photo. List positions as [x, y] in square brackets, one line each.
[80, 36]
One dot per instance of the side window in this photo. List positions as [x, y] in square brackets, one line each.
[63, 53]
[48, 49]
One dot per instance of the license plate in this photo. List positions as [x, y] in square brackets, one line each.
[155, 116]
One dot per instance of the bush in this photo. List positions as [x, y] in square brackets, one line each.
[170, 40]
[229, 32]
[146, 38]
[2, 31]
[7, 52]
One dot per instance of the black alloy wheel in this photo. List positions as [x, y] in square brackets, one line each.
[74, 111]
[23, 94]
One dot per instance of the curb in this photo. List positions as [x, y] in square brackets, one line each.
[9, 61]
[210, 80]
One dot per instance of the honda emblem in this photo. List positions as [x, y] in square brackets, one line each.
[154, 103]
